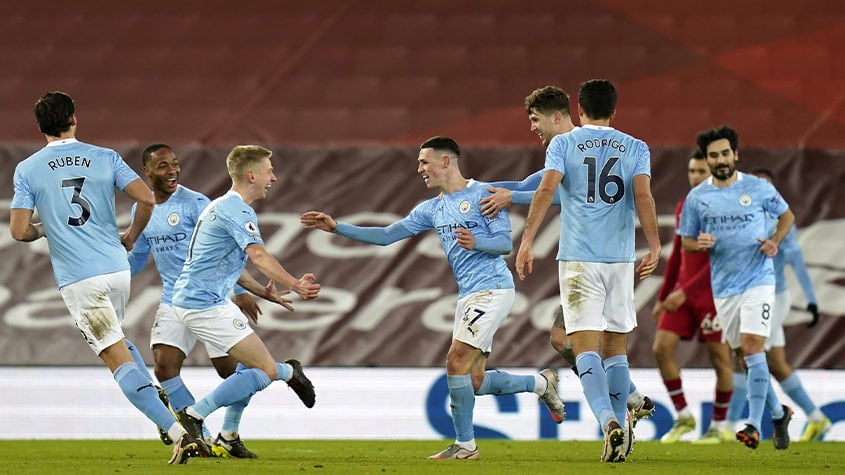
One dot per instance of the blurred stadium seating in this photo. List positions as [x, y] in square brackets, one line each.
[334, 82]
[366, 71]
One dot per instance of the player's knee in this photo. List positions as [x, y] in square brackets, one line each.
[168, 361]
[454, 366]
[557, 341]
[780, 371]
[163, 372]
[722, 365]
[558, 338]
[661, 349]
[477, 379]
[224, 372]
[224, 366]
[720, 361]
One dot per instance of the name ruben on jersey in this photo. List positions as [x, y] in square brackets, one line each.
[76, 161]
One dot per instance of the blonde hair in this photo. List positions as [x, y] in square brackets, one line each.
[242, 157]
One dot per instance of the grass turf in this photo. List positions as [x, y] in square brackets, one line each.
[18, 457]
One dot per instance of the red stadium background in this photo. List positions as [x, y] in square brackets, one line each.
[344, 91]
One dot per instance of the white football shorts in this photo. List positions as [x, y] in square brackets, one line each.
[750, 312]
[169, 330]
[97, 305]
[597, 296]
[220, 327]
[777, 338]
[479, 315]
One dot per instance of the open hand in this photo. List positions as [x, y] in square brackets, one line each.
[273, 294]
[524, 260]
[307, 287]
[248, 305]
[500, 199]
[648, 264]
[318, 220]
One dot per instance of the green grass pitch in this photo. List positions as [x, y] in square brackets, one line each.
[18, 457]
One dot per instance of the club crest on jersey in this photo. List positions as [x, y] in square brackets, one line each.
[239, 324]
[745, 200]
[173, 219]
[464, 207]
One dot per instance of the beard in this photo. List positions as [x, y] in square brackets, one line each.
[723, 172]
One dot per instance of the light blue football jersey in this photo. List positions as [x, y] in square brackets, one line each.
[217, 253]
[597, 212]
[167, 236]
[71, 184]
[474, 270]
[737, 216]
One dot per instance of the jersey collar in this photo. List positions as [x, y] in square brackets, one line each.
[58, 143]
[234, 193]
[597, 127]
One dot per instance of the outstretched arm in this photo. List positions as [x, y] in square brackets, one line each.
[506, 193]
[501, 198]
[529, 183]
[525, 197]
[306, 286]
[378, 235]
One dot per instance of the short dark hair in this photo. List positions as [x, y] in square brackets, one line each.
[547, 99]
[53, 112]
[441, 142]
[151, 149]
[597, 98]
[722, 132]
[696, 154]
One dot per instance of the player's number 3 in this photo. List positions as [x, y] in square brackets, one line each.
[77, 199]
